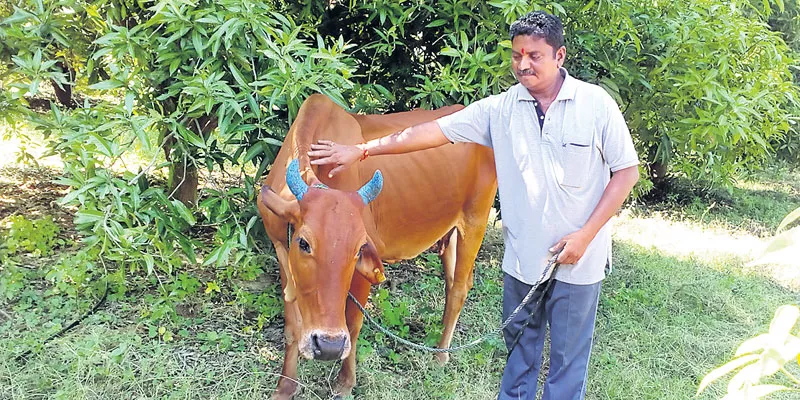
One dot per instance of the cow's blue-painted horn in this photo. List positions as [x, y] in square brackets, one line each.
[371, 189]
[295, 182]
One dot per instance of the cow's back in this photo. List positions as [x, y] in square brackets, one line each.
[425, 193]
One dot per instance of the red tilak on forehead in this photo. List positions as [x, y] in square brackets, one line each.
[523, 51]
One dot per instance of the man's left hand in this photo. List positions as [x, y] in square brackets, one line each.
[574, 246]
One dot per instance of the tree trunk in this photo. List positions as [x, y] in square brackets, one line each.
[183, 175]
[64, 92]
[183, 182]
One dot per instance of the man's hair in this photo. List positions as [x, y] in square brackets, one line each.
[541, 25]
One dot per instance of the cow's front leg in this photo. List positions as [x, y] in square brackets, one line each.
[287, 383]
[346, 379]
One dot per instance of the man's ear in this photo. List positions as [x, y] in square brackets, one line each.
[370, 265]
[288, 210]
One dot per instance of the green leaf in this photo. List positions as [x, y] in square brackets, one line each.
[212, 257]
[129, 97]
[106, 85]
[254, 150]
[251, 101]
[141, 135]
[188, 249]
[88, 217]
[272, 141]
[149, 262]
[197, 42]
[190, 137]
[237, 75]
[19, 15]
[184, 212]
[212, 286]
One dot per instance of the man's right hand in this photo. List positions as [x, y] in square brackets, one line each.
[328, 152]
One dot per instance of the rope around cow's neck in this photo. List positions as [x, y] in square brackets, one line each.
[551, 264]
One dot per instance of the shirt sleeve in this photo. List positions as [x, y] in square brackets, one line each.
[471, 124]
[617, 146]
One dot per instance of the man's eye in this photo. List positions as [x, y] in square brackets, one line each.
[304, 245]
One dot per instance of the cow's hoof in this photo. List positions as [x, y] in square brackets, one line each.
[285, 391]
[342, 391]
[282, 396]
[342, 396]
[442, 358]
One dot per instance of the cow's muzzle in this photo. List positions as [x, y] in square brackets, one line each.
[328, 347]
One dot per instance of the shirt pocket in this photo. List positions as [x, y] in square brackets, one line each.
[575, 163]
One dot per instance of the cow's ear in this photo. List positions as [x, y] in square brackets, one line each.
[286, 209]
[289, 294]
[369, 265]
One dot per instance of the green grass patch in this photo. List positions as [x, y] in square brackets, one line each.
[665, 320]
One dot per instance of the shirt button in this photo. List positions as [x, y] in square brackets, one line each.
[541, 117]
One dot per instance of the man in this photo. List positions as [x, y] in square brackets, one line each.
[556, 139]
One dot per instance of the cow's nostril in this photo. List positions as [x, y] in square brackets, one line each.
[316, 346]
[328, 347]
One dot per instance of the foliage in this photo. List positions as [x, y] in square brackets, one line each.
[393, 313]
[717, 114]
[12, 279]
[761, 357]
[704, 84]
[38, 237]
[786, 20]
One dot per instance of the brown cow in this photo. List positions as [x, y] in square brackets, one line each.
[442, 194]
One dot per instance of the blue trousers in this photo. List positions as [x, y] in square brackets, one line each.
[570, 311]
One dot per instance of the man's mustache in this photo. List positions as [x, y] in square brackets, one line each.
[526, 72]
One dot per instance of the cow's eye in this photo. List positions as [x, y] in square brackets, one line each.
[304, 245]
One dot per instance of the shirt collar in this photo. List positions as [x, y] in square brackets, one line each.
[567, 91]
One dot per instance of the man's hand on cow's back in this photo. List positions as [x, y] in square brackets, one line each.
[418, 137]
[342, 155]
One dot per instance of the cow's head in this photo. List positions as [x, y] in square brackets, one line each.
[327, 244]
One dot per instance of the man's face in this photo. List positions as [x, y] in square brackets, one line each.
[535, 63]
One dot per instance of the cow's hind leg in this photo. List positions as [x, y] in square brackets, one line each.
[458, 260]
[346, 379]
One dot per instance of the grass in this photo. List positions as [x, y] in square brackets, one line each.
[679, 301]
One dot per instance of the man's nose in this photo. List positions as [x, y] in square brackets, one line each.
[525, 63]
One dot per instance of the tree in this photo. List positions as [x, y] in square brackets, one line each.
[705, 86]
